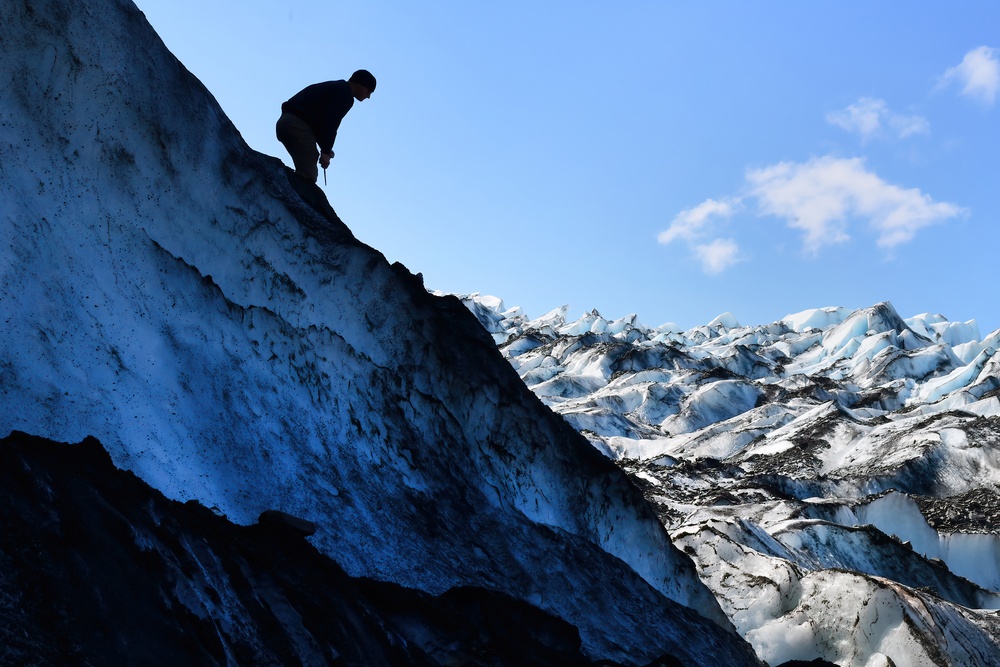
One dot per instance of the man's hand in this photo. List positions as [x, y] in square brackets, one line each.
[324, 159]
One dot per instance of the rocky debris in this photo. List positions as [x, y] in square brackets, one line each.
[976, 512]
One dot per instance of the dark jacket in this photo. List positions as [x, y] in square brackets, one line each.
[322, 106]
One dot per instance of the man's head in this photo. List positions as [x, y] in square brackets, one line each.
[362, 84]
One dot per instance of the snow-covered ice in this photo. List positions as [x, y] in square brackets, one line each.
[833, 474]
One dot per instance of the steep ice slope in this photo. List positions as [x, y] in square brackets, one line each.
[834, 474]
[165, 290]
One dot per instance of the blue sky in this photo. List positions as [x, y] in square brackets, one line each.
[676, 160]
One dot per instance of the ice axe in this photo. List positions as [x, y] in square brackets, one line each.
[323, 155]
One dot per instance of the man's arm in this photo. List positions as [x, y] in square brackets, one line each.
[338, 104]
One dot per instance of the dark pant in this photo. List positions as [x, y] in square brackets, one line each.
[299, 140]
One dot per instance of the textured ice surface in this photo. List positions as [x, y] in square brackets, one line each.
[832, 474]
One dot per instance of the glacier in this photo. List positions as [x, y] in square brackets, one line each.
[834, 474]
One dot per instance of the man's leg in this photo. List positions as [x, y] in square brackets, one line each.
[299, 140]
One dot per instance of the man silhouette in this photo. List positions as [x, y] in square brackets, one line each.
[312, 117]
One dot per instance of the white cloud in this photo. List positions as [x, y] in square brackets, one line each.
[718, 255]
[695, 223]
[905, 126]
[690, 223]
[978, 74]
[862, 117]
[868, 116]
[821, 196]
